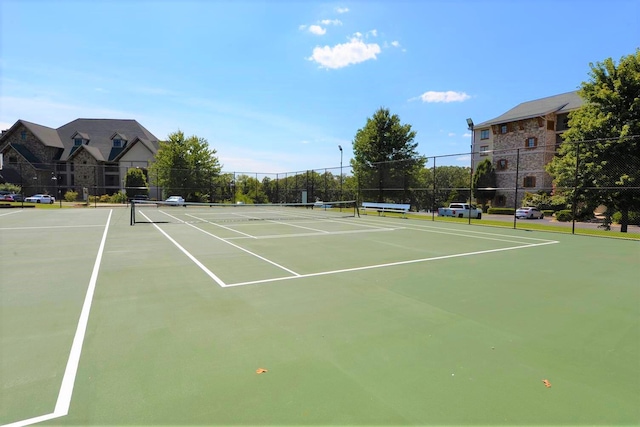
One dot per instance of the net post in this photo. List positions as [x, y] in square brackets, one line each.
[132, 216]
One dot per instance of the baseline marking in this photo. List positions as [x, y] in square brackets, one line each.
[68, 380]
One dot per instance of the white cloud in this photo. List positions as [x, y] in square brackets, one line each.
[317, 30]
[395, 43]
[451, 134]
[448, 96]
[342, 55]
[466, 135]
[331, 22]
[302, 27]
[342, 9]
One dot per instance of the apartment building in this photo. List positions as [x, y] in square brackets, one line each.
[92, 154]
[521, 142]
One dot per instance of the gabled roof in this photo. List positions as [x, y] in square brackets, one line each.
[116, 153]
[101, 132]
[47, 135]
[558, 104]
[93, 151]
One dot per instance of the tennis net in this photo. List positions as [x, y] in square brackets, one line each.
[192, 212]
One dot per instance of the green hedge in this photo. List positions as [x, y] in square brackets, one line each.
[501, 211]
[634, 218]
[564, 215]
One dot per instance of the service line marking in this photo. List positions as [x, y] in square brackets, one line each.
[390, 264]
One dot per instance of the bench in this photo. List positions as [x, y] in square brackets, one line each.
[381, 208]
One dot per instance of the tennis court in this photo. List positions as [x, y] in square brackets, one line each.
[197, 316]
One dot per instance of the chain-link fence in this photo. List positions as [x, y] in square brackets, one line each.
[568, 186]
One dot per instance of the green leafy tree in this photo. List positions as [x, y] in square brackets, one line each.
[385, 156]
[484, 182]
[186, 166]
[135, 183]
[600, 154]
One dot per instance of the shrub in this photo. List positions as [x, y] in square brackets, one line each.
[501, 211]
[71, 196]
[564, 215]
[548, 212]
[634, 218]
[118, 198]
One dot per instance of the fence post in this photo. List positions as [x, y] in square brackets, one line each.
[515, 201]
[433, 198]
[575, 190]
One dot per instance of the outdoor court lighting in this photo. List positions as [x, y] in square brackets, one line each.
[340, 148]
[54, 178]
[470, 127]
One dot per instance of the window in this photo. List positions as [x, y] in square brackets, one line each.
[501, 201]
[502, 164]
[117, 143]
[13, 160]
[531, 142]
[484, 150]
[504, 129]
[23, 135]
[484, 134]
[529, 181]
[77, 141]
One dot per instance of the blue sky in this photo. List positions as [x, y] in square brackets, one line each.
[276, 86]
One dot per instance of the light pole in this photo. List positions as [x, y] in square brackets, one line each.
[55, 179]
[470, 127]
[340, 148]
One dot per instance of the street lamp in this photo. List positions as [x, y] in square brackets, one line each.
[54, 178]
[470, 127]
[340, 148]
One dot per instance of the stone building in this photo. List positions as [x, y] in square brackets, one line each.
[521, 142]
[91, 154]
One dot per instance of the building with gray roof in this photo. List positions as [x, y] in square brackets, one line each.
[92, 154]
[521, 142]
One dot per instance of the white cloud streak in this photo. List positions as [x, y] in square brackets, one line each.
[342, 55]
[342, 10]
[448, 96]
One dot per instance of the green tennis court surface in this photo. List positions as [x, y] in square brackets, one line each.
[356, 320]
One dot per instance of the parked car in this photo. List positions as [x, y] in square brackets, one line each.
[529, 213]
[11, 197]
[175, 201]
[40, 198]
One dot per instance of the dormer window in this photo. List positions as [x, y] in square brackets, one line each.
[118, 140]
[77, 141]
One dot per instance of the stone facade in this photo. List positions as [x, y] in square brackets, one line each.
[41, 159]
[515, 160]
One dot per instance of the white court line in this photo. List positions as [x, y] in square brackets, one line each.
[9, 213]
[391, 264]
[328, 233]
[50, 227]
[184, 251]
[220, 282]
[465, 233]
[69, 378]
[217, 225]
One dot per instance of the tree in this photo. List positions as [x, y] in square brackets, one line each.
[484, 182]
[186, 166]
[599, 160]
[385, 156]
[135, 183]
